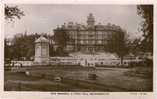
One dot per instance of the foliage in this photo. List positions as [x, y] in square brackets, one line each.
[61, 38]
[118, 44]
[133, 46]
[146, 12]
[23, 46]
[12, 12]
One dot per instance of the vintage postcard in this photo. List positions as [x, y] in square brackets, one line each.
[78, 50]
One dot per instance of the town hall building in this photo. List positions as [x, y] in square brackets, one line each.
[89, 38]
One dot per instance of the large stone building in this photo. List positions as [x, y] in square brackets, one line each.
[88, 38]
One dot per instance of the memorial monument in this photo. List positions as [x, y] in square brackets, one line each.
[41, 51]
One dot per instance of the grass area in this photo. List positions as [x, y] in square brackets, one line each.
[143, 72]
[108, 79]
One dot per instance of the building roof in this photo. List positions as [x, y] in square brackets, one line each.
[42, 39]
[90, 20]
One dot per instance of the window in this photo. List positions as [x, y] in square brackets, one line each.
[99, 37]
[99, 41]
[81, 42]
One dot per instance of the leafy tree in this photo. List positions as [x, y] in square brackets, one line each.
[12, 12]
[119, 44]
[6, 49]
[134, 46]
[24, 46]
[146, 12]
[61, 38]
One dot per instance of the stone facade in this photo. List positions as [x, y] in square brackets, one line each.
[88, 38]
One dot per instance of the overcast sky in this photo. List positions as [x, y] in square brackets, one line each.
[45, 18]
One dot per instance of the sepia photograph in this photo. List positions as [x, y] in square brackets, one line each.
[78, 48]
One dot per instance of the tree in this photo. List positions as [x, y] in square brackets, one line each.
[146, 12]
[9, 52]
[61, 38]
[24, 46]
[118, 44]
[134, 46]
[6, 49]
[12, 12]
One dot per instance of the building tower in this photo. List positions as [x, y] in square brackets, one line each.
[90, 20]
[42, 51]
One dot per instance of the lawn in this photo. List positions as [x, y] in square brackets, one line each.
[108, 79]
